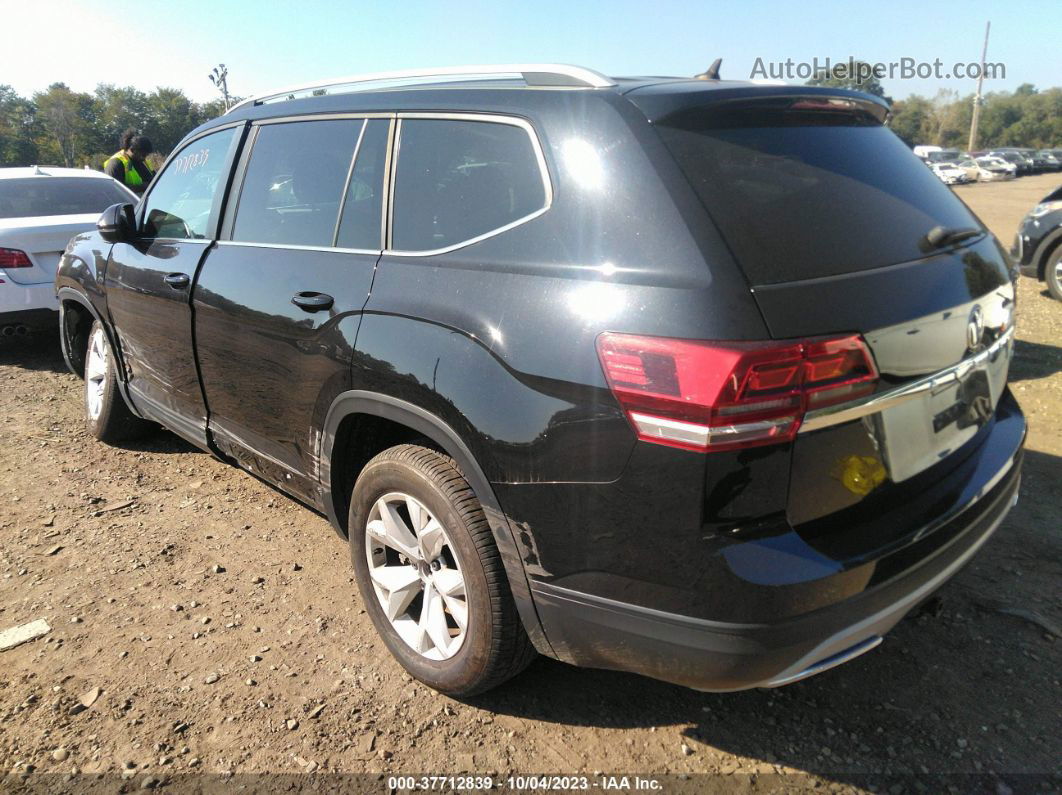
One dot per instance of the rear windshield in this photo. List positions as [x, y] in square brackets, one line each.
[37, 196]
[805, 193]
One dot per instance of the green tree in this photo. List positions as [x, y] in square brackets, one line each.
[170, 117]
[65, 117]
[18, 129]
[912, 119]
[115, 110]
[858, 78]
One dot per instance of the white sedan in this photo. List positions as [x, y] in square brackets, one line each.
[949, 173]
[999, 167]
[41, 208]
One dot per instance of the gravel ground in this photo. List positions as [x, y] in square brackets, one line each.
[205, 626]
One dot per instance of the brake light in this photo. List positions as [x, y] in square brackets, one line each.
[13, 258]
[708, 396]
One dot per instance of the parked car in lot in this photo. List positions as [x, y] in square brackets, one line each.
[976, 172]
[1038, 244]
[947, 156]
[41, 208]
[1022, 164]
[949, 173]
[1048, 161]
[926, 152]
[698, 379]
[996, 168]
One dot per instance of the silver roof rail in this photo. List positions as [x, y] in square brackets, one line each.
[534, 74]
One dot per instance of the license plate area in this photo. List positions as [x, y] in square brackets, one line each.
[930, 426]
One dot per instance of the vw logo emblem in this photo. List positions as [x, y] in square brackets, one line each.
[975, 327]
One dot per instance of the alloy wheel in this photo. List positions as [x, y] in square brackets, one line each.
[416, 576]
[95, 373]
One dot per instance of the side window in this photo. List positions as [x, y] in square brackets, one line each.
[363, 204]
[457, 180]
[180, 201]
[294, 182]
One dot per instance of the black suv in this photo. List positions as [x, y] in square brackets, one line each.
[700, 379]
[1038, 244]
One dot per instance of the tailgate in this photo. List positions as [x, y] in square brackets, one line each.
[839, 229]
[942, 377]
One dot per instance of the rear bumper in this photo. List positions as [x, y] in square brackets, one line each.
[34, 319]
[719, 656]
[28, 301]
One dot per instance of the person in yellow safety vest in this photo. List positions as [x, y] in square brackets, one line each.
[128, 165]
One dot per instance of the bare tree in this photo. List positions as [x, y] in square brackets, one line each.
[945, 114]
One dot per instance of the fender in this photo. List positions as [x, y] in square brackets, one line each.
[358, 401]
[70, 294]
[1042, 250]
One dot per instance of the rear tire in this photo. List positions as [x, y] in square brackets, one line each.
[107, 417]
[430, 574]
[1053, 274]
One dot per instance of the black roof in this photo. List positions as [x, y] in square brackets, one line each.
[656, 96]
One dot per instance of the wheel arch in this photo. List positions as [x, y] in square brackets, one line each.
[72, 301]
[1044, 251]
[422, 423]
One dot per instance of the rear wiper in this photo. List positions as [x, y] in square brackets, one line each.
[943, 236]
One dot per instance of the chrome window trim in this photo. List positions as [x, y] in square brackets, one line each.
[857, 409]
[394, 141]
[488, 118]
[346, 182]
[294, 247]
[229, 222]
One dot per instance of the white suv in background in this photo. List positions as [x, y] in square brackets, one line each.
[41, 208]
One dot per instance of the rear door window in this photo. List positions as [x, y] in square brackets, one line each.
[294, 182]
[457, 181]
[801, 193]
[362, 215]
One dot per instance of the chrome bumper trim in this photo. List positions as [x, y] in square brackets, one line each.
[830, 662]
[857, 409]
[852, 641]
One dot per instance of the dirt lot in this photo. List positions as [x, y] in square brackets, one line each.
[220, 623]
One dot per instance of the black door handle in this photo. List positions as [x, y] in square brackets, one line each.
[178, 281]
[312, 302]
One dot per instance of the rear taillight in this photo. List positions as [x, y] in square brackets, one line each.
[729, 395]
[13, 258]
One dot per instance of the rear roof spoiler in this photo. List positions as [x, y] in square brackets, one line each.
[662, 100]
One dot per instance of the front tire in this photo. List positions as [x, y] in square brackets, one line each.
[430, 575]
[107, 417]
[1053, 274]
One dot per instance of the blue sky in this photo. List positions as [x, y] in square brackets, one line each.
[270, 44]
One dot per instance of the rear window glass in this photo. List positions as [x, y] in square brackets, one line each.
[458, 180]
[801, 194]
[37, 196]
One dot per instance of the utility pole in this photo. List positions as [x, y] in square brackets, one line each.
[978, 100]
[219, 77]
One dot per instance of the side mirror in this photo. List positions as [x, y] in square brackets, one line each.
[117, 224]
